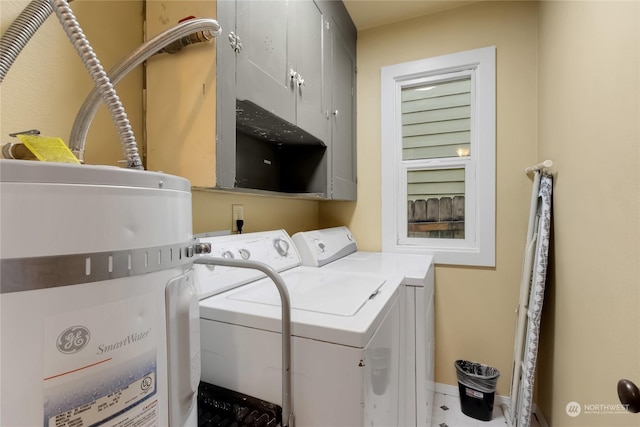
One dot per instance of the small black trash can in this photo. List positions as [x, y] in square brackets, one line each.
[477, 387]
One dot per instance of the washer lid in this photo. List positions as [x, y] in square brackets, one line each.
[352, 321]
[319, 291]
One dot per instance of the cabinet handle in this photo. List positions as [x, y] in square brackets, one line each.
[296, 78]
[235, 42]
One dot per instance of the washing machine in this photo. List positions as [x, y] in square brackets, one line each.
[345, 354]
[336, 249]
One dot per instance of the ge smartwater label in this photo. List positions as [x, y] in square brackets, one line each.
[100, 366]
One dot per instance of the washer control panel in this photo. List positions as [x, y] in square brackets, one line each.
[274, 248]
[320, 247]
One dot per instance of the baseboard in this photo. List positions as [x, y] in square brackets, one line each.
[540, 416]
[499, 400]
[537, 417]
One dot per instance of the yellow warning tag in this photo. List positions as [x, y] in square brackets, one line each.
[48, 149]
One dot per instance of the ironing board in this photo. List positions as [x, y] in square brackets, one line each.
[532, 286]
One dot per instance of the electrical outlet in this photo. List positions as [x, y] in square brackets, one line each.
[236, 214]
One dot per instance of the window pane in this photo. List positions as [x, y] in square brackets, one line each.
[436, 120]
[438, 194]
[435, 203]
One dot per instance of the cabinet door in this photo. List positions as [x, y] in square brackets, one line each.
[343, 132]
[308, 61]
[225, 155]
[262, 74]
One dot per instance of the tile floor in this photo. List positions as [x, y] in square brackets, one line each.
[447, 413]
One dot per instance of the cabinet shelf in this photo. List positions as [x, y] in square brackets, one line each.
[255, 121]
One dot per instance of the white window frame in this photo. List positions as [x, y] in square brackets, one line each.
[478, 246]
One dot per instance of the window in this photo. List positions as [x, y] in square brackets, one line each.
[438, 157]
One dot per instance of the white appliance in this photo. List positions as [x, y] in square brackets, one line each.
[345, 333]
[336, 249]
[99, 315]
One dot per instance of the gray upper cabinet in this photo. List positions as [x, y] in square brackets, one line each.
[343, 104]
[307, 71]
[262, 58]
[286, 98]
[280, 66]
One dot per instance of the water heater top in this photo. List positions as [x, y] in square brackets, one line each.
[24, 171]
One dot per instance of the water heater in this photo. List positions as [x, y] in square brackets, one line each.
[99, 315]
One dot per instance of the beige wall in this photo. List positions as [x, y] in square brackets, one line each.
[181, 98]
[47, 84]
[589, 124]
[212, 211]
[474, 306]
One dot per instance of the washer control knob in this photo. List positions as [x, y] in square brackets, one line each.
[227, 254]
[245, 254]
[282, 246]
[320, 245]
[350, 237]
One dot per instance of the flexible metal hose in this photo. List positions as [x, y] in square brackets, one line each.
[288, 417]
[101, 81]
[197, 37]
[180, 33]
[20, 32]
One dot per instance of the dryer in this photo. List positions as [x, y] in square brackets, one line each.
[345, 333]
[336, 249]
